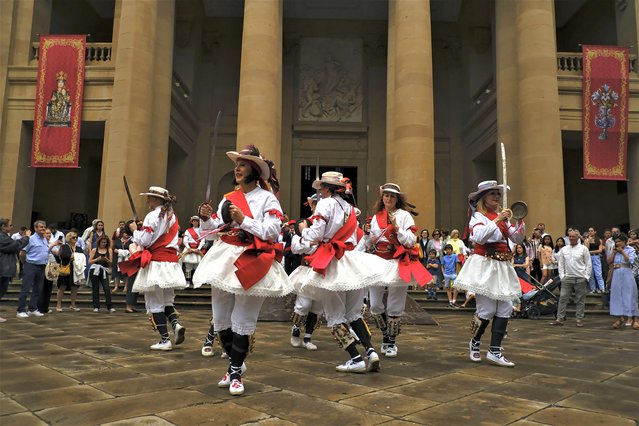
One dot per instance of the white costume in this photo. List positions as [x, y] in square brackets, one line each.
[191, 260]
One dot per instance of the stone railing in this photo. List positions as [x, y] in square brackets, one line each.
[96, 53]
[572, 62]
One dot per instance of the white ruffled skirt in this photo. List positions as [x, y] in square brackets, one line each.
[492, 278]
[159, 274]
[217, 269]
[392, 278]
[192, 258]
[354, 271]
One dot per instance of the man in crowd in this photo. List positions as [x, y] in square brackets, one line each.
[575, 267]
[9, 249]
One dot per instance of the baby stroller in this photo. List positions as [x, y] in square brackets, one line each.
[541, 300]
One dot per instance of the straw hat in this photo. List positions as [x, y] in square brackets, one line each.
[157, 191]
[393, 188]
[484, 187]
[329, 178]
[251, 153]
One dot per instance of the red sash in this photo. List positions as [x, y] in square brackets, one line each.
[409, 263]
[482, 249]
[158, 252]
[334, 248]
[255, 262]
[194, 236]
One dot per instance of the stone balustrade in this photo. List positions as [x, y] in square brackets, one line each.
[96, 53]
[572, 63]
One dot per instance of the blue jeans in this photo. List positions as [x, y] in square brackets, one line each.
[595, 276]
[32, 281]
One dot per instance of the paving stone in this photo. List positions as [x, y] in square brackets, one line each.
[219, 394]
[603, 404]
[532, 392]
[122, 408]
[22, 419]
[9, 406]
[389, 403]
[142, 384]
[226, 414]
[272, 421]
[572, 417]
[105, 375]
[446, 387]
[105, 352]
[625, 379]
[22, 380]
[478, 408]
[294, 407]
[141, 421]
[60, 397]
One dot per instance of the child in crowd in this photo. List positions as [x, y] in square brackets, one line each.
[449, 262]
[432, 265]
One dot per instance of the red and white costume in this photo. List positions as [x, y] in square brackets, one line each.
[192, 241]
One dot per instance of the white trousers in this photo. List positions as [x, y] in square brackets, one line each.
[235, 311]
[343, 306]
[304, 305]
[156, 300]
[395, 302]
[488, 308]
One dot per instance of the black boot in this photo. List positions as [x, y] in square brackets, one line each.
[361, 330]
[239, 350]
[478, 327]
[159, 322]
[207, 347]
[178, 330]
[226, 340]
[498, 332]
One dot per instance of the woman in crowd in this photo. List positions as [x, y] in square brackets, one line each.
[47, 286]
[243, 265]
[392, 238]
[559, 244]
[488, 272]
[337, 273]
[97, 232]
[66, 254]
[115, 273]
[623, 288]
[124, 251]
[100, 261]
[422, 241]
[544, 254]
[596, 247]
[521, 262]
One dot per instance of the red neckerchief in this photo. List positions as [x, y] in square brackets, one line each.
[335, 247]
[194, 236]
[254, 262]
[157, 252]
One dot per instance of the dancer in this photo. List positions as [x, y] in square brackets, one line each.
[337, 274]
[155, 261]
[243, 266]
[392, 237]
[488, 272]
[193, 249]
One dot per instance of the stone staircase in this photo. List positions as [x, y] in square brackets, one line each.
[201, 299]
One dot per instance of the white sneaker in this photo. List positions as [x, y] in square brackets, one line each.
[207, 351]
[96, 309]
[179, 332]
[236, 387]
[224, 355]
[35, 313]
[474, 354]
[225, 381]
[391, 351]
[112, 310]
[352, 367]
[383, 348]
[499, 359]
[296, 341]
[310, 346]
[162, 346]
[22, 315]
[373, 362]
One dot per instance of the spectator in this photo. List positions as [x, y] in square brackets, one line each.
[559, 244]
[47, 285]
[85, 234]
[422, 241]
[433, 266]
[574, 270]
[56, 235]
[100, 260]
[97, 232]
[459, 248]
[66, 253]
[610, 242]
[123, 254]
[117, 277]
[521, 262]
[436, 244]
[535, 264]
[623, 288]
[541, 227]
[449, 264]
[9, 249]
[21, 233]
[37, 253]
[544, 253]
[596, 247]
[607, 233]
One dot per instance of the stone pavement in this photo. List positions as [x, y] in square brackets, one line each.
[86, 368]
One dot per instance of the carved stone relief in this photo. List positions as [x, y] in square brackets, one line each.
[330, 80]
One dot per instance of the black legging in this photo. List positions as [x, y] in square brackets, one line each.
[131, 297]
[103, 281]
[45, 296]
[4, 285]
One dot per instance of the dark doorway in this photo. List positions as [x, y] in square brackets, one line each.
[308, 176]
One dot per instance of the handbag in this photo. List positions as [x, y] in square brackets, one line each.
[52, 271]
[65, 270]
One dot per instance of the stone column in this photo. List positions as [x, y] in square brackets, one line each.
[137, 129]
[259, 114]
[411, 152]
[507, 86]
[540, 147]
[390, 94]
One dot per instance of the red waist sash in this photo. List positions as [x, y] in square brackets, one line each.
[334, 248]
[486, 249]
[255, 262]
[157, 252]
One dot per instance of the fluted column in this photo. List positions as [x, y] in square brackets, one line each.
[390, 94]
[259, 114]
[137, 130]
[411, 152]
[507, 87]
[540, 148]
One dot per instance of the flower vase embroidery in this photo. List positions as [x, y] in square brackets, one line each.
[606, 99]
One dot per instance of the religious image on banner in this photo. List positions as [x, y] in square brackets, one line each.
[58, 103]
[59, 106]
[605, 112]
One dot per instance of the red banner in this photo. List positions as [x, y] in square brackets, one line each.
[605, 112]
[58, 107]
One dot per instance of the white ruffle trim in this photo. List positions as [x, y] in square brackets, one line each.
[392, 278]
[159, 274]
[217, 269]
[489, 277]
[354, 271]
[192, 258]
